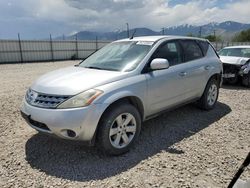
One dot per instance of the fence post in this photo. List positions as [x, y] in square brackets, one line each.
[96, 43]
[216, 46]
[77, 53]
[51, 48]
[20, 48]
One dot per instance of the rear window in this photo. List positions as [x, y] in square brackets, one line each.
[192, 50]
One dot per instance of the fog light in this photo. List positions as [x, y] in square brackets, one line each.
[71, 133]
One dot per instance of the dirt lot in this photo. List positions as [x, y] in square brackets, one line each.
[183, 148]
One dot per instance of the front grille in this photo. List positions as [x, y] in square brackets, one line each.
[44, 100]
[229, 68]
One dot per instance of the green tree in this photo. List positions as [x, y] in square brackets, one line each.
[190, 35]
[243, 36]
[213, 38]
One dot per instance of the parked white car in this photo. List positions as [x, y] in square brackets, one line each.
[236, 64]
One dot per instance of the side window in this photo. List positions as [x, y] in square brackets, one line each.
[204, 46]
[170, 51]
[211, 52]
[191, 49]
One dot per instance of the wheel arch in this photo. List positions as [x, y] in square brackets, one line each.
[130, 99]
[216, 76]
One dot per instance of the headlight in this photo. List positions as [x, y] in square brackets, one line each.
[246, 65]
[81, 100]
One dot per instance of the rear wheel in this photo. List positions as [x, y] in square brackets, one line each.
[118, 129]
[210, 95]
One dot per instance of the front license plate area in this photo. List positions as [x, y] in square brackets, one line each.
[229, 75]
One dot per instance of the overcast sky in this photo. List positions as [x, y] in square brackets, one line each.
[38, 18]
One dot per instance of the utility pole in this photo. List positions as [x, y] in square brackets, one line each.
[163, 31]
[200, 31]
[51, 47]
[77, 52]
[127, 30]
[96, 43]
[214, 34]
[20, 48]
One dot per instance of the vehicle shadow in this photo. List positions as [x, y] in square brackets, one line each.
[72, 161]
[234, 87]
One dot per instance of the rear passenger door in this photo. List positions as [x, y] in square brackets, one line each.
[195, 66]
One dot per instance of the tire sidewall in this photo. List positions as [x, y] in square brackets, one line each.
[106, 123]
[210, 83]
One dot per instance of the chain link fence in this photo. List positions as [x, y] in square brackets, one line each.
[15, 51]
[219, 45]
[22, 51]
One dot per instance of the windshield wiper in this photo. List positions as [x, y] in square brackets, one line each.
[99, 68]
[92, 67]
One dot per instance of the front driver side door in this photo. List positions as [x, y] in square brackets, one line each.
[166, 88]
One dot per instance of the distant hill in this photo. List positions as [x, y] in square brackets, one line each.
[88, 35]
[225, 29]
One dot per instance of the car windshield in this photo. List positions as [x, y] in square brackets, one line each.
[118, 56]
[236, 52]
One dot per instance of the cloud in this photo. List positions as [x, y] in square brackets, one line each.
[103, 5]
[38, 18]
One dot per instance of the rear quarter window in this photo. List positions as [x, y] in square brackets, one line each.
[191, 49]
[211, 52]
[204, 46]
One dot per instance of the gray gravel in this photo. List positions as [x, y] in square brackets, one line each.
[186, 147]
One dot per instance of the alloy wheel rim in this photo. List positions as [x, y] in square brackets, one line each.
[122, 130]
[212, 94]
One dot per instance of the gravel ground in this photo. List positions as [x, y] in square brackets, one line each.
[186, 147]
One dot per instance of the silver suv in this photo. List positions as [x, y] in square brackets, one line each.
[107, 96]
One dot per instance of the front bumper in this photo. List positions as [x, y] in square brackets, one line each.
[232, 71]
[73, 124]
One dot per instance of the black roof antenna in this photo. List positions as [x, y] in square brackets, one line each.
[133, 35]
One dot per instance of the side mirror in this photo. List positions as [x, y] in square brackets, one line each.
[159, 63]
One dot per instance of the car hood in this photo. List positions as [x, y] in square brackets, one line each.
[73, 80]
[234, 60]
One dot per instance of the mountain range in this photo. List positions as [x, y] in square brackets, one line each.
[226, 30]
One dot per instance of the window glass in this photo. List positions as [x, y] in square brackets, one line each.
[237, 52]
[191, 50]
[204, 46]
[170, 51]
[118, 56]
[211, 52]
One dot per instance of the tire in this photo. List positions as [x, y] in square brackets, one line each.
[246, 80]
[209, 98]
[114, 136]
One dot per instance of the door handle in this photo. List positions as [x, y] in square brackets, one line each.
[207, 67]
[182, 74]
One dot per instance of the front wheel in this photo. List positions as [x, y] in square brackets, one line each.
[118, 129]
[210, 95]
